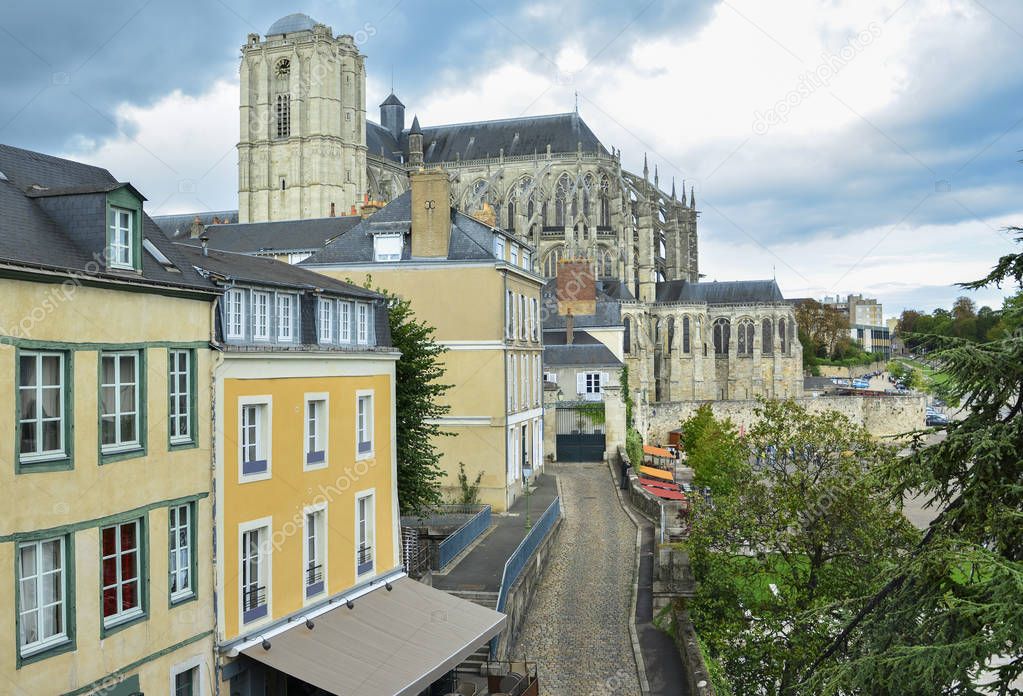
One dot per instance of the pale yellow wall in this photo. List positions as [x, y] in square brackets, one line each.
[290, 488]
[74, 502]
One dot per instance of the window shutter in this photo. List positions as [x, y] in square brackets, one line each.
[580, 382]
[603, 380]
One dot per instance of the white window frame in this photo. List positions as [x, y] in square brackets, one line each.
[344, 320]
[525, 259]
[383, 247]
[592, 383]
[234, 313]
[122, 615]
[499, 247]
[174, 415]
[362, 323]
[117, 245]
[260, 315]
[264, 566]
[263, 436]
[515, 254]
[325, 323]
[38, 419]
[321, 546]
[41, 644]
[197, 663]
[551, 377]
[370, 527]
[121, 444]
[364, 424]
[322, 433]
[286, 319]
[509, 314]
[174, 549]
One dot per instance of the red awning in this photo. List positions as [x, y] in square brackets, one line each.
[665, 494]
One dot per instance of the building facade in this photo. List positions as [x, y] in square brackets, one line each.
[105, 364]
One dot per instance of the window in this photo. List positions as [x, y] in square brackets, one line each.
[41, 415]
[119, 401]
[499, 247]
[589, 382]
[326, 321]
[182, 552]
[509, 319]
[513, 387]
[283, 114]
[255, 435]
[316, 431]
[627, 339]
[671, 333]
[344, 321]
[255, 573]
[314, 553]
[234, 313]
[722, 330]
[527, 259]
[745, 346]
[120, 251]
[551, 377]
[261, 320]
[364, 424]
[387, 247]
[767, 336]
[523, 317]
[685, 335]
[285, 317]
[186, 682]
[42, 589]
[121, 572]
[180, 394]
[515, 254]
[364, 518]
[781, 335]
[362, 322]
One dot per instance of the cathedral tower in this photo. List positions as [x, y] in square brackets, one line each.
[302, 150]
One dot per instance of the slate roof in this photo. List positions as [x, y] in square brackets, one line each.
[728, 292]
[608, 308]
[179, 226]
[262, 270]
[277, 237]
[558, 337]
[517, 136]
[46, 231]
[469, 240]
[579, 355]
[392, 100]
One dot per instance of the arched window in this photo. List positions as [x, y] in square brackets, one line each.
[722, 331]
[283, 115]
[606, 264]
[550, 262]
[745, 346]
[511, 215]
[671, 333]
[561, 193]
[628, 335]
[767, 336]
[605, 203]
[781, 336]
[685, 334]
[792, 336]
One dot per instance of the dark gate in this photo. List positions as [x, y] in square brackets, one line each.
[580, 432]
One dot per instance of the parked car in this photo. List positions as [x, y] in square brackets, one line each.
[935, 419]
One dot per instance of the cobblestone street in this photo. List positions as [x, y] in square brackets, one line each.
[577, 626]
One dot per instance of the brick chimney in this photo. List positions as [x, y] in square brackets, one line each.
[431, 213]
[576, 288]
[569, 329]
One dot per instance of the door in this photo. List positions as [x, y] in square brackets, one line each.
[580, 432]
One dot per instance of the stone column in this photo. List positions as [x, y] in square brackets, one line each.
[614, 418]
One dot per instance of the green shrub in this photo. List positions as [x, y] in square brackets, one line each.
[634, 446]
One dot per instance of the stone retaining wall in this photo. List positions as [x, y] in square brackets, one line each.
[850, 372]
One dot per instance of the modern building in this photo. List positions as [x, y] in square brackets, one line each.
[867, 325]
[105, 368]
[475, 284]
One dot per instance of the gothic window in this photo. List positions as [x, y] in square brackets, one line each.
[550, 263]
[511, 214]
[475, 195]
[745, 346]
[685, 334]
[561, 193]
[722, 331]
[605, 203]
[606, 265]
[767, 336]
[671, 333]
[628, 335]
[283, 115]
[781, 336]
[792, 335]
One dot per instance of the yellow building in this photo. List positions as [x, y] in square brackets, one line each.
[305, 477]
[476, 285]
[104, 376]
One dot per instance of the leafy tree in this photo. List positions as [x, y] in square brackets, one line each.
[713, 449]
[950, 619]
[807, 515]
[823, 324]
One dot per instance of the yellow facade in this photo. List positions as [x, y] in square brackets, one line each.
[280, 501]
[74, 499]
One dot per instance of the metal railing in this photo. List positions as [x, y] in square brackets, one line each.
[253, 598]
[460, 539]
[313, 574]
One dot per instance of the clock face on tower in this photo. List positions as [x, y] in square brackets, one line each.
[282, 68]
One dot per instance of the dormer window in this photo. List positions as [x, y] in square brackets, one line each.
[120, 238]
[387, 247]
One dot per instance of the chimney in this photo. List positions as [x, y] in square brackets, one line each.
[576, 288]
[205, 243]
[332, 208]
[197, 229]
[431, 213]
[569, 329]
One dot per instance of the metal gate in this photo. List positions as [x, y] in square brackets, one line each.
[580, 432]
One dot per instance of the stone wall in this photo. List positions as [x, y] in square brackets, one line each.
[882, 416]
[851, 372]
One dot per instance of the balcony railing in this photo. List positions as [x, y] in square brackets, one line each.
[254, 603]
[313, 580]
[365, 559]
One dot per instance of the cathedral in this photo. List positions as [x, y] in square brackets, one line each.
[307, 150]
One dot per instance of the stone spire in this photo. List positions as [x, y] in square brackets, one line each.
[657, 178]
[415, 144]
[673, 188]
[646, 169]
[692, 197]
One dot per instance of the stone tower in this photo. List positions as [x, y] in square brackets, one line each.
[302, 150]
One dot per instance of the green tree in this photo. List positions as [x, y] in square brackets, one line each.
[941, 620]
[806, 529]
[713, 449]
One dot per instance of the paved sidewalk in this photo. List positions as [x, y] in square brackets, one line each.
[480, 570]
[665, 672]
[577, 626]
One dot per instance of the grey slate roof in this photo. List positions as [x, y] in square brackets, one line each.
[517, 136]
[580, 355]
[48, 231]
[392, 100]
[728, 292]
[277, 237]
[291, 23]
[608, 307]
[470, 239]
[558, 338]
[179, 226]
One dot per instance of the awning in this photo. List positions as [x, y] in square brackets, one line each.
[664, 492]
[657, 451]
[656, 473]
[390, 644]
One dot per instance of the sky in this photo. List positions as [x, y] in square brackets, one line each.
[866, 146]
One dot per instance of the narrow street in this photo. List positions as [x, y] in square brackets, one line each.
[577, 626]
